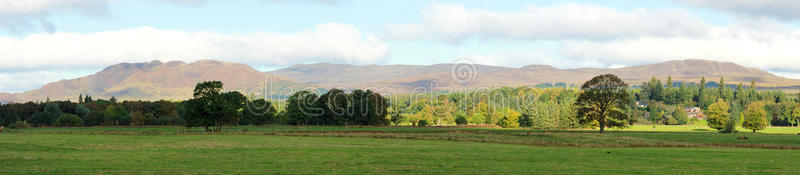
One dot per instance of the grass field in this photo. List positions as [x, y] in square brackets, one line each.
[396, 150]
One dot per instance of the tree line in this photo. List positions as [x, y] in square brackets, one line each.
[210, 107]
[666, 102]
[556, 107]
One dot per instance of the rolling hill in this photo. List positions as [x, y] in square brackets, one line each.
[153, 80]
[405, 77]
[175, 80]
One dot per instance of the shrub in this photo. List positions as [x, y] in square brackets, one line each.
[461, 120]
[422, 123]
[525, 121]
[510, 120]
[672, 121]
[176, 121]
[396, 118]
[69, 120]
[169, 121]
[19, 125]
[478, 118]
[680, 116]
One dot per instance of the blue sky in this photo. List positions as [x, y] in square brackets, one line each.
[49, 40]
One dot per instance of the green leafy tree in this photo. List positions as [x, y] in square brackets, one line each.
[300, 108]
[69, 120]
[113, 114]
[48, 116]
[137, 118]
[718, 115]
[680, 115]
[334, 105]
[94, 118]
[654, 89]
[796, 115]
[227, 109]
[259, 112]
[82, 111]
[702, 98]
[603, 99]
[755, 118]
[212, 107]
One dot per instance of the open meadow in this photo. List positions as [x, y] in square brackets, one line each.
[396, 150]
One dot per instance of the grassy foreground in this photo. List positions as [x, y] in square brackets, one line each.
[250, 154]
[396, 150]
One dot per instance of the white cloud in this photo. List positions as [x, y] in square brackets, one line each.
[594, 36]
[330, 42]
[780, 9]
[765, 48]
[20, 81]
[453, 23]
[795, 75]
[24, 15]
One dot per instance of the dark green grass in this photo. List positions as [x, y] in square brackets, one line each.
[269, 154]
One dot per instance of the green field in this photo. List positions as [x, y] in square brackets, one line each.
[396, 150]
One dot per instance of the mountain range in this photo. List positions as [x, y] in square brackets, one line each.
[175, 80]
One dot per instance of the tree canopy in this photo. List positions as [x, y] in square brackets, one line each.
[603, 100]
[212, 107]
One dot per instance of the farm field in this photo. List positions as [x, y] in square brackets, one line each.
[394, 150]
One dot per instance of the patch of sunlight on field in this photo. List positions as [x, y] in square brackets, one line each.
[702, 128]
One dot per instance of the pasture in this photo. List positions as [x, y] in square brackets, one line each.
[396, 150]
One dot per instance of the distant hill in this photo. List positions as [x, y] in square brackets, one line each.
[403, 78]
[175, 80]
[153, 80]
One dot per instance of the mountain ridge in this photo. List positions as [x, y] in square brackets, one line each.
[152, 80]
[687, 70]
[174, 80]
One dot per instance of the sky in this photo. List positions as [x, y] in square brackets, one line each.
[44, 41]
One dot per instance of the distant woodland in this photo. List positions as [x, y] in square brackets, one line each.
[654, 102]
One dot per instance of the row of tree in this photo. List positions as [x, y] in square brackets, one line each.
[541, 108]
[666, 103]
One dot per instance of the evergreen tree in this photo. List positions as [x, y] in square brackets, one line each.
[753, 95]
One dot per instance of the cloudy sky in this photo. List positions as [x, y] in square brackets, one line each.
[48, 40]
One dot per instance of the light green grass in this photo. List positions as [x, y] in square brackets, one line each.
[264, 154]
[703, 128]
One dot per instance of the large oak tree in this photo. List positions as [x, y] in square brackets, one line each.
[212, 107]
[603, 100]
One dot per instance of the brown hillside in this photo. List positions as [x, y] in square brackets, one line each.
[404, 78]
[154, 81]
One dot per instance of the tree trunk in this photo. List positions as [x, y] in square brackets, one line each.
[602, 121]
[602, 126]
